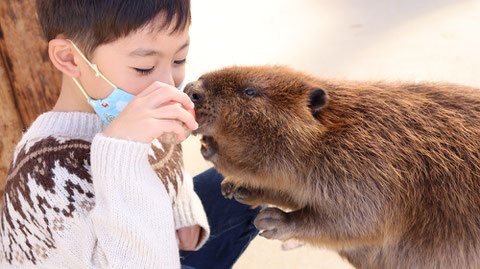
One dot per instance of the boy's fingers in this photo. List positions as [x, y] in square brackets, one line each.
[174, 111]
[170, 126]
[156, 98]
[154, 86]
[170, 93]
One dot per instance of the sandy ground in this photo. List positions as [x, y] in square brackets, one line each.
[361, 40]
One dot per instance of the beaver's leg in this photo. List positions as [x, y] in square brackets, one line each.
[256, 197]
[364, 257]
[312, 225]
[243, 195]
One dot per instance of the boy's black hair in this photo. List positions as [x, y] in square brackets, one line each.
[91, 23]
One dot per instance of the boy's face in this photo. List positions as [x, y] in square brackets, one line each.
[134, 62]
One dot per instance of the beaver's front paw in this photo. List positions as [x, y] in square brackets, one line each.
[228, 189]
[244, 195]
[241, 194]
[274, 224]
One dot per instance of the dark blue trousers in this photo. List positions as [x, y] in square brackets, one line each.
[231, 226]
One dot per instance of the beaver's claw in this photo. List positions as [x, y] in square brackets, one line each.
[228, 190]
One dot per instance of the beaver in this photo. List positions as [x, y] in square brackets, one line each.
[385, 173]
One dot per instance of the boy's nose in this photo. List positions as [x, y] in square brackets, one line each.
[194, 92]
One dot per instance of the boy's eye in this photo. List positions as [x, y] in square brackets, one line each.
[181, 61]
[144, 71]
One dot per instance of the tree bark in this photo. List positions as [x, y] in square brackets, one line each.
[29, 83]
[10, 126]
[34, 80]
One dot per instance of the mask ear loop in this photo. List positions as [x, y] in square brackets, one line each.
[81, 89]
[94, 67]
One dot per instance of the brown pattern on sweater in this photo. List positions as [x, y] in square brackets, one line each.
[31, 191]
[167, 162]
[37, 196]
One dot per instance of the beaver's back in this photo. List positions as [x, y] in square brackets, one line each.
[420, 144]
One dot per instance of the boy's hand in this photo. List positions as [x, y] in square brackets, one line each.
[188, 237]
[151, 114]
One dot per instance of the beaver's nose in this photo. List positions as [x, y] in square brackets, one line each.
[195, 94]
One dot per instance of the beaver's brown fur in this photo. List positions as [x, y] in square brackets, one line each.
[388, 174]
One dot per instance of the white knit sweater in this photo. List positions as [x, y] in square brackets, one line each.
[77, 199]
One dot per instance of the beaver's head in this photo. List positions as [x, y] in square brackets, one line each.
[257, 111]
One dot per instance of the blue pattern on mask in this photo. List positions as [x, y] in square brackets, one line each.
[109, 108]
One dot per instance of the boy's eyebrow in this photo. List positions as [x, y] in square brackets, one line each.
[142, 52]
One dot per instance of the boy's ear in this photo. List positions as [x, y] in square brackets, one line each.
[61, 53]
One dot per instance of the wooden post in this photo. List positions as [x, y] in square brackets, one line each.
[29, 83]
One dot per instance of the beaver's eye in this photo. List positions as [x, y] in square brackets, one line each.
[250, 91]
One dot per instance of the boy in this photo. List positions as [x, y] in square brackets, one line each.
[81, 191]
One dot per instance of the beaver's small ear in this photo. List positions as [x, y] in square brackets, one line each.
[318, 99]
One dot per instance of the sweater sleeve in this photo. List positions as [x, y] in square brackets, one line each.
[167, 162]
[132, 218]
[188, 209]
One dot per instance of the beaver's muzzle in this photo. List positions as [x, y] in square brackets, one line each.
[195, 92]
